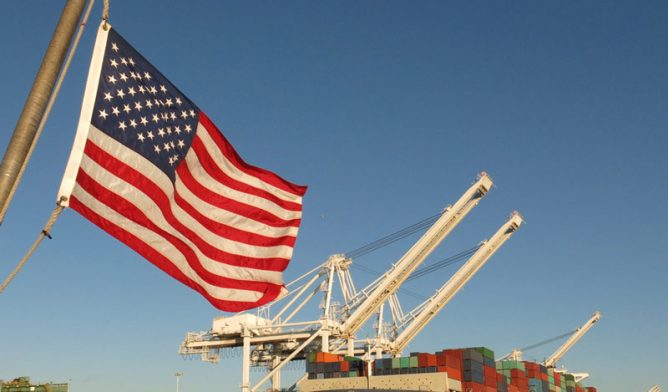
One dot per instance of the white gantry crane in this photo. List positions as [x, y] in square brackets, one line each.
[551, 361]
[416, 320]
[274, 341]
[655, 388]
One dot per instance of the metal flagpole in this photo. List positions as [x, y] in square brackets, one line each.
[25, 133]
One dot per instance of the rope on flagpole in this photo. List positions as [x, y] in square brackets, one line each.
[105, 14]
[56, 90]
[46, 232]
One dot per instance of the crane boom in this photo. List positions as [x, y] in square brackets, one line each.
[568, 344]
[415, 256]
[434, 304]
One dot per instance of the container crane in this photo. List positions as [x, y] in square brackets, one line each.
[274, 342]
[551, 361]
[423, 314]
[392, 280]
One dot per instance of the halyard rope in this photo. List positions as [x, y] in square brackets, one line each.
[105, 14]
[54, 94]
[46, 231]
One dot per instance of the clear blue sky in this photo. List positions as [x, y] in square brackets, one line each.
[387, 110]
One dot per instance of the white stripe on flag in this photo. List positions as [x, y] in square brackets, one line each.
[228, 167]
[164, 247]
[204, 179]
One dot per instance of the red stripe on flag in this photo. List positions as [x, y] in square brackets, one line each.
[228, 204]
[227, 149]
[145, 185]
[214, 171]
[270, 291]
[230, 231]
[134, 214]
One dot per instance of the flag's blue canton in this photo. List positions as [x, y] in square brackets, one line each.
[140, 108]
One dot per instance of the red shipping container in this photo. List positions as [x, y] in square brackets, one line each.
[441, 359]
[489, 376]
[490, 389]
[426, 360]
[431, 360]
[453, 373]
[453, 362]
[473, 387]
[517, 373]
[345, 366]
[458, 353]
[327, 357]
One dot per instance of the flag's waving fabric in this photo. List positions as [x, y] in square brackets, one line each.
[151, 169]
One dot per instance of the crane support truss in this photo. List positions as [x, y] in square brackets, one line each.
[272, 342]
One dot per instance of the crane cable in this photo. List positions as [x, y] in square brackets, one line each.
[46, 231]
[391, 238]
[548, 340]
[443, 263]
[426, 270]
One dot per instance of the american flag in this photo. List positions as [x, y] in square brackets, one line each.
[151, 169]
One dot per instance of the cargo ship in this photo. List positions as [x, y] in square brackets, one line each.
[451, 370]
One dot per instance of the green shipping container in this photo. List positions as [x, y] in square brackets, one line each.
[486, 353]
[396, 363]
[405, 362]
[413, 362]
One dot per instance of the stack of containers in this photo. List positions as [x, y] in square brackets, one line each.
[518, 376]
[473, 371]
[550, 380]
[401, 365]
[557, 382]
[505, 367]
[501, 382]
[451, 362]
[490, 378]
[537, 375]
[446, 361]
[569, 381]
[321, 365]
